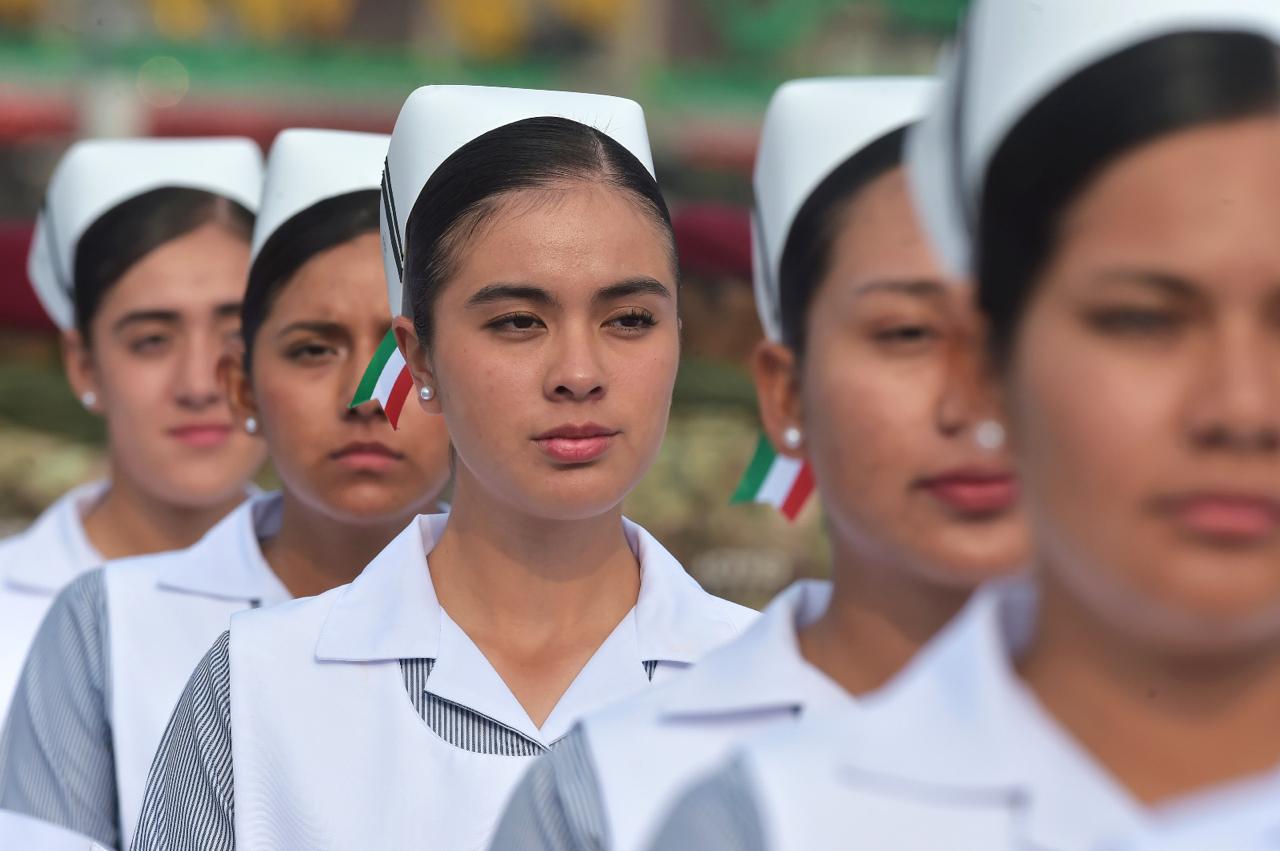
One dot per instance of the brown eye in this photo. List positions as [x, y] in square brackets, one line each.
[1134, 322]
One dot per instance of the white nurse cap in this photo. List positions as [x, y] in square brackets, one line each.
[810, 129]
[97, 175]
[438, 120]
[1011, 54]
[306, 167]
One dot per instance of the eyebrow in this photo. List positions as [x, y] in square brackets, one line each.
[1166, 282]
[632, 287]
[314, 326]
[511, 292]
[527, 292]
[920, 288]
[169, 317]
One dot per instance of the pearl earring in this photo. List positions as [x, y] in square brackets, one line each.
[250, 425]
[88, 399]
[989, 435]
[426, 394]
[792, 437]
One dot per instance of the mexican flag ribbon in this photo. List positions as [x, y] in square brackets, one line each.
[773, 479]
[386, 379]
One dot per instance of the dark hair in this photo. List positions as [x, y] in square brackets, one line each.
[1168, 84]
[321, 226]
[530, 154]
[806, 255]
[131, 230]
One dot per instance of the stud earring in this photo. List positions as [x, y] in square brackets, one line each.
[251, 425]
[88, 399]
[989, 435]
[426, 394]
[792, 437]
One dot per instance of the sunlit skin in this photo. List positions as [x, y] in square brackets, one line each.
[888, 393]
[561, 312]
[350, 482]
[177, 463]
[1144, 391]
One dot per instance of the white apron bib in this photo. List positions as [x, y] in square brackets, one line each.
[164, 612]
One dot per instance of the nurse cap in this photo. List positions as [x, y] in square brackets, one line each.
[811, 128]
[97, 175]
[436, 121]
[1012, 53]
[306, 167]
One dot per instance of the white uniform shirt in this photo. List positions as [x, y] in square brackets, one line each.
[109, 663]
[298, 732]
[35, 565]
[621, 768]
[22, 833]
[955, 754]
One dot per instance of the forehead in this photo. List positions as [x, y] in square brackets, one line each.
[196, 272]
[341, 283]
[579, 234]
[879, 236]
[1203, 202]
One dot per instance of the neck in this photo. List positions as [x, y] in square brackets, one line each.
[1174, 725]
[313, 552]
[879, 617]
[129, 521]
[497, 570]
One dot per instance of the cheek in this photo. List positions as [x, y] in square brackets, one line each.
[868, 420]
[1095, 425]
[137, 391]
[295, 414]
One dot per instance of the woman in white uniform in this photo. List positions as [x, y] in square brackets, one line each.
[119, 643]
[139, 258]
[872, 374]
[1110, 171]
[541, 321]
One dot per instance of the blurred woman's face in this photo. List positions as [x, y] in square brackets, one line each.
[888, 394]
[1145, 392]
[152, 364]
[312, 348]
[555, 348]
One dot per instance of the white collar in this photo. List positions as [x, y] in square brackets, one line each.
[391, 612]
[762, 669]
[227, 562]
[65, 550]
[973, 725]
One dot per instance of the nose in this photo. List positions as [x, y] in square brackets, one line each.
[575, 372]
[1235, 406]
[197, 373]
[967, 396]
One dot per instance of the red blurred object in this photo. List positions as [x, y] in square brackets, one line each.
[714, 240]
[26, 116]
[260, 122]
[19, 307]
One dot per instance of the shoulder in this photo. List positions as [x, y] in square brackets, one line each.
[80, 604]
[300, 620]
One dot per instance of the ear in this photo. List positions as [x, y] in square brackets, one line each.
[237, 384]
[418, 359]
[775, 370]
[77, 361]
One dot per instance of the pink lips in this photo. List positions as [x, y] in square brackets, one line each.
[973, 492]
[1231, 517]
[576, 444]
[202, 435]
[367, 456]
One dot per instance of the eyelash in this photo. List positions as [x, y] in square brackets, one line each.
[148, 344]
[644, 318]
[309, 352]
[1134, 321]
[907, 334]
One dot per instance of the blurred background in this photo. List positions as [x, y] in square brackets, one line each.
[703, 69]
